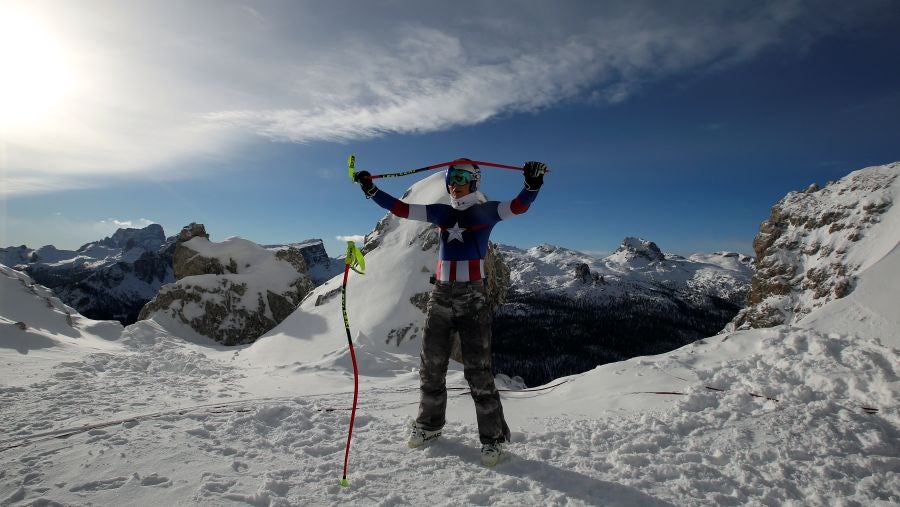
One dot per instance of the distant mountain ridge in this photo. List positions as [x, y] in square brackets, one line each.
[109, 279]
[636, 264]
[113, 278]
[149, 238]
[567, 311]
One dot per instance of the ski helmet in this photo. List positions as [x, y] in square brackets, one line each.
[461, 171]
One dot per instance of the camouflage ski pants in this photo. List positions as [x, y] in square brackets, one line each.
[460, 306]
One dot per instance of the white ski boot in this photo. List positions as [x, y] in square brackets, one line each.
[491, 454]
[418, 436]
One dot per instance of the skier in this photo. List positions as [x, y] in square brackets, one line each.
[458, 301]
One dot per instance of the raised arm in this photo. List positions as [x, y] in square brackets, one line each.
[421, 212]
[534, 179]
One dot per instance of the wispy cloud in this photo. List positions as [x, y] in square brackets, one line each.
[153, 91]
[14, 183]
[354, 237]
[140, 223]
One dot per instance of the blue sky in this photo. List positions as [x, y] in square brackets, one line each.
[678, 122]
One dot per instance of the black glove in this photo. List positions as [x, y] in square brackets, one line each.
[364, 178]
[534, 175]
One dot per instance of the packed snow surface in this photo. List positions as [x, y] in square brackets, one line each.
[97, 414]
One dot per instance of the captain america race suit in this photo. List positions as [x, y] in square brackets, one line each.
[458, 301]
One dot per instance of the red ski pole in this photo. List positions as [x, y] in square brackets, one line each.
[354, 260]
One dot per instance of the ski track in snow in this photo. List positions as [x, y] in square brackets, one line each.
[91, 389]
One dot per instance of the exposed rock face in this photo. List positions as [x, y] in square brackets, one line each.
[583, 273]
[187, 262]
[232, 292]
[191, 231]
[319, 265]
[801, 249]
[497, 280]
[148, 238]
[15, 255]
[119, 291]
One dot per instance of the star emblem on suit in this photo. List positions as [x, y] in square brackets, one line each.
[455, 233]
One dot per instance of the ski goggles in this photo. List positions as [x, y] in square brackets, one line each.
[458, 177]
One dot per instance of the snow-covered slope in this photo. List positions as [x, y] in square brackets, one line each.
[33, 318]
[38, 332]
[155, 419]
[380, 304]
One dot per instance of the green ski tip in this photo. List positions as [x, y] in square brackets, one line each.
[344, 482]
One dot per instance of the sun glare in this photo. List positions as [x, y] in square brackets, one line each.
[35, 72]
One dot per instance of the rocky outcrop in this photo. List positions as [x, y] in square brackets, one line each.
[233, 291]
[801, 249]
[583, 273]
[319, 265]
[633, 249]
[188, 262]
[497, 279]
[191, 231]
[227, 311]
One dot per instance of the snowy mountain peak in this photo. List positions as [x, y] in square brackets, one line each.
[150, 238]
[633, 249]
